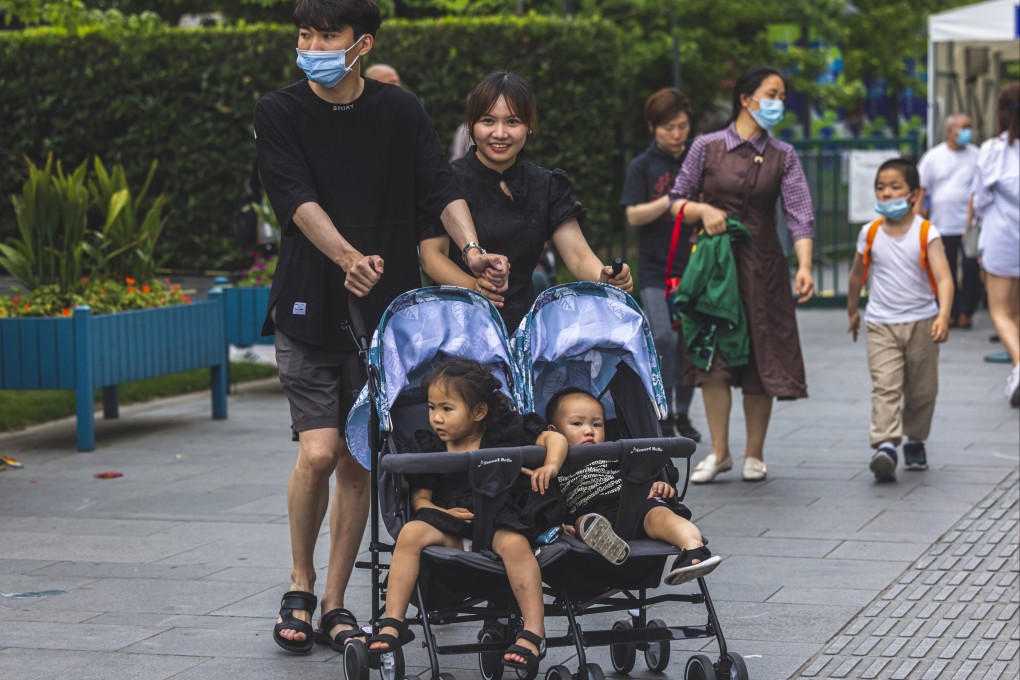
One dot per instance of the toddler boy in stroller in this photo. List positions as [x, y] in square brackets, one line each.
[592, 496]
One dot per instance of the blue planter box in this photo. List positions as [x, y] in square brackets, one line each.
[245, 310]
[84, 352]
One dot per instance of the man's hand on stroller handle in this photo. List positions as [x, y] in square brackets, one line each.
[363, 271]
[493, 268]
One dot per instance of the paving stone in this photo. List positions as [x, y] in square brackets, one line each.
[47, 664]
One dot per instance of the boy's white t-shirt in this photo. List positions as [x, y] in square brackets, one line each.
[899, 291]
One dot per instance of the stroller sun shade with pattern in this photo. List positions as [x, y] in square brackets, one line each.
[595, 337]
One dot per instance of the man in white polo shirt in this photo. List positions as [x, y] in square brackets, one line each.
[946, 174]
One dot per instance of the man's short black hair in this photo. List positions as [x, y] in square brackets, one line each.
[325, 15]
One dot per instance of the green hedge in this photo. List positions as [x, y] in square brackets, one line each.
[185, 98]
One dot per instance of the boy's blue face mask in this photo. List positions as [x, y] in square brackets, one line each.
[326, 68]
[965, 137]
[769, 113]
[894, 209]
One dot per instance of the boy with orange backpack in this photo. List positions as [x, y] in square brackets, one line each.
[909, 302]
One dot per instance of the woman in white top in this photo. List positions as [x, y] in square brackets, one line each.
[997, 204]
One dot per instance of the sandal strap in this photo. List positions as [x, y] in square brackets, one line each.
[298, 599]
[336, 617]
[397, 624]
[687, 556]
[533, 639]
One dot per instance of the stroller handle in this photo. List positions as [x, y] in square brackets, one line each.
[357, 322]
[617, 266]
[534, 456]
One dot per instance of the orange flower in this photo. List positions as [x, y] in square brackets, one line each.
[84, 280]
[66, 312]
[130, 281]
[102, 291]
[131, 289]
[28, 307]
[16, 299]
[146, 289]
[187, 299]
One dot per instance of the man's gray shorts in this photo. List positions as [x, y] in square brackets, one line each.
[321, 384]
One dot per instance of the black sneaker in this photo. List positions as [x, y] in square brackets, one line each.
[883, 464]
[683, 428]
[914, 456]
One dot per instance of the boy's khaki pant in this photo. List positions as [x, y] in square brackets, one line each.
[904, 364]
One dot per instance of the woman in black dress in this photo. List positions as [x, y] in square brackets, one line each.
[516, 206]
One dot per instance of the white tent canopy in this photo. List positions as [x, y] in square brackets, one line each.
[966, 49]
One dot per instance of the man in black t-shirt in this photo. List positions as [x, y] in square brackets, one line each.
[350, 167]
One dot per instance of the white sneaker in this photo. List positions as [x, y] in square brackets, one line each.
[708, 468]
[1012, 390]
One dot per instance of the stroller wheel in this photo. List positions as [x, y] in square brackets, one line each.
[356, 660]
[699, 667]
[559, 673]
[657, 652]
[490, 664]
[595, 672]
[738, 669]
[391, 665]
[623, 656]
[525, 675]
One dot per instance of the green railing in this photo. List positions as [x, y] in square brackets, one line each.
[826, 165]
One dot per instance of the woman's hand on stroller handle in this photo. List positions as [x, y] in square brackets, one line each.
[490, 291]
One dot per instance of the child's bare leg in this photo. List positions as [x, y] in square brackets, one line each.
[663, 524]
[526, 582]
[404, 568]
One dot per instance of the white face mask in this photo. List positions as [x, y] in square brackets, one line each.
[326, 68]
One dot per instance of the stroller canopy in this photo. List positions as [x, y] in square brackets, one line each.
[418, 327]
[576, 335]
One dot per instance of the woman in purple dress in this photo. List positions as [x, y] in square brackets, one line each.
[719, 171]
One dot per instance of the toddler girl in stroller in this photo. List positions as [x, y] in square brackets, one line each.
[468, 412]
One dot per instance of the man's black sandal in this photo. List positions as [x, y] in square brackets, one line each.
[404, 635]
[295, 600]
[531, 660]
[335, 617]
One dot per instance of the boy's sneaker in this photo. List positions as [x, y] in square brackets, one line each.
[914, 456]
[597, 533]
[683, 428]
[883, 464]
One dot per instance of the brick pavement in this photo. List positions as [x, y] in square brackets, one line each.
[175, 570]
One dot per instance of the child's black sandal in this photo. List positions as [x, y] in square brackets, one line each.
[531, 660]
[404, 635]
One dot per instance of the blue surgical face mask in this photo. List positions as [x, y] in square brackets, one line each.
[326, 68]
[964, 136]
[769, 113]
[894, 209]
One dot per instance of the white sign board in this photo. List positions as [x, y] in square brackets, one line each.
[862, 169]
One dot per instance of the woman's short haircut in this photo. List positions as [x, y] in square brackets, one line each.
[748, 82]
[906, 167]
[512, 87]
[665, 105]
[324, 15]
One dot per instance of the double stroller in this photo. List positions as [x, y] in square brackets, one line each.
[585, 335]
